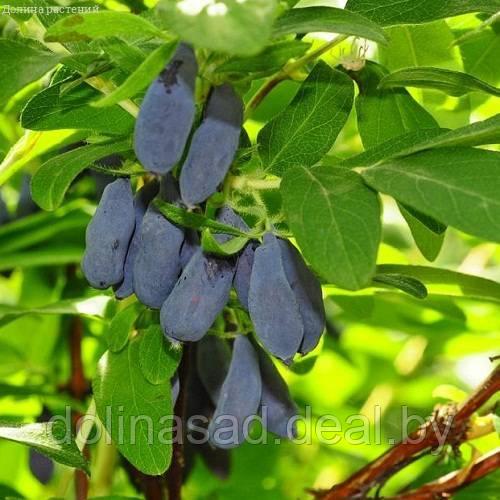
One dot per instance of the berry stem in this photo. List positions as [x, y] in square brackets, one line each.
[175, 474]
[287, 71]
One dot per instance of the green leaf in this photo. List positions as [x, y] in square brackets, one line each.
[330, 20]
[42, 227]
[92, 307]
[230, 247]
[485, 489]
[458, 186]
[51, 109]
[134, 411]
[54, 177]
[195, 221]
[12, 359]
[303, 366]
[21, 64]
[270, 59]
[454, 83]
[125, 56]
[427, 232]
[31, 222]
[432, 224]
[391, 12]
[336, 221]
[121, 326]
[26, 391]
[385, 114]
[419, 45]
[306, 130]
[478, 54]
[229, 26]
[450, 282]
[101, 24]
[406, 284]
[54, 255]
[145, 73]
[475, 134]
[395, 146]
[52, 439]
[489, 22]
[128, 168]
[158, 358]
[83, 62]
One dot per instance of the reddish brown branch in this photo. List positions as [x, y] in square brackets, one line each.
[175, 474]
[78, 387]
[152, 487]
[449, 427]
[445, 486]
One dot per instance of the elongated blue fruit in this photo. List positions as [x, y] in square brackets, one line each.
[307, 290]
[277, 406]
[239, 398]
[212, 360]
[108, 235]
[190, 246]
[272, 304]
[241, 281]
[157, 264]
[142, 200]
[213, 146]
[198, 297]
[166, 115]
[200, 409]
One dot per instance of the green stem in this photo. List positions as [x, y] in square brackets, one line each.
[241, 183]
[20, 149]
[64, 486]
[286, 71]
[104, 465]
[88, 422]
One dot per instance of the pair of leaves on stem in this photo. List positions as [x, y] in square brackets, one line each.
[333, 212]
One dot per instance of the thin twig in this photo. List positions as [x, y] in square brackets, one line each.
[152, 487]
[286, 71]
[425, 439]
[175, 474]
[78, 388]
[445, 486]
